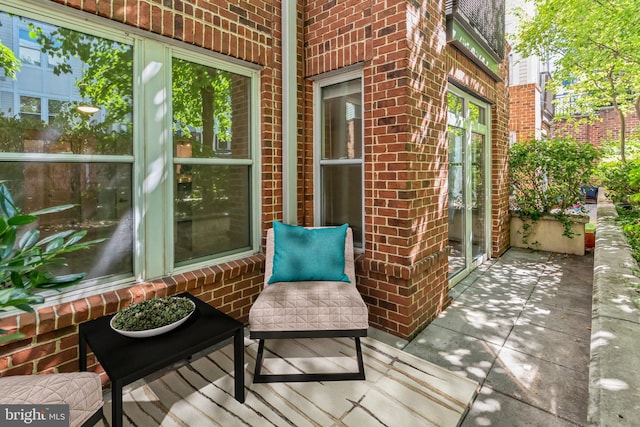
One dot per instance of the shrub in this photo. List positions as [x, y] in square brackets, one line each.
[629, 220]
[26, 261]
[546, 176]
[616, 177]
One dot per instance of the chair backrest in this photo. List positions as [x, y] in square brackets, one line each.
[349, 263]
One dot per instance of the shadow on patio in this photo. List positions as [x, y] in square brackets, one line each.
[520, 326]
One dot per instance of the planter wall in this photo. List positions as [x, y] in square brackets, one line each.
[545, 234]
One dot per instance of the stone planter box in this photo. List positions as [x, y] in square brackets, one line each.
[545, 234]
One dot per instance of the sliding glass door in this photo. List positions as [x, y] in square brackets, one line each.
[469, 151]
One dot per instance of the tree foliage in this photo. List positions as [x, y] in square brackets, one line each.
[595, 49]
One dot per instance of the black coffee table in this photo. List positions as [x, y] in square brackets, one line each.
[127, 359]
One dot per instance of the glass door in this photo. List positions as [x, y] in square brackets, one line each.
[468, 183]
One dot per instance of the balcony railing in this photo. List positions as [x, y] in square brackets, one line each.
[486, 17]
[566, 105]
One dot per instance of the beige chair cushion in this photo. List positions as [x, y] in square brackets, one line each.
[305, 306]
[82, 391]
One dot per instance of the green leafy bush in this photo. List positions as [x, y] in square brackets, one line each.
[26, 261]
[619, 179]
[546, 176]
[629, 220]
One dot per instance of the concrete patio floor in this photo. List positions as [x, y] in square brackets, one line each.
[520, 326]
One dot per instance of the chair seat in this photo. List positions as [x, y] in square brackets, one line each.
[308, 306]
[82, 391]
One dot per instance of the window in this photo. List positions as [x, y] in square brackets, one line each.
[30, 108]
[29, 51]
[339, 153]
[55, 107]
[69, 158]
[95, 134]
[212, 201]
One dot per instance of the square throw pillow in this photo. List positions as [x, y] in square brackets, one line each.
[302, 254]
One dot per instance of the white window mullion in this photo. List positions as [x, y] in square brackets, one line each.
[152, 175]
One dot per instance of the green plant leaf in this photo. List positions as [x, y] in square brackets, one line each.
[53, 209]
[60, 235]
[8, 241]
[28, 239]
[3, 226]
[54, 246]
[16, 279]
[62, 281]
[11, 337]
[20, 298]
[22, 219]
[7, 207]
[76, 237]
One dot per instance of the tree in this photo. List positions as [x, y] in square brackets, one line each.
[595, 47]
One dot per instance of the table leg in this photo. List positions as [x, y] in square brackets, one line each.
[238, 364]
[116, 404]
[82, 351]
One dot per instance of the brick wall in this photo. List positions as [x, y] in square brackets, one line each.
[605, 127]
[523, 110]
[405, 63]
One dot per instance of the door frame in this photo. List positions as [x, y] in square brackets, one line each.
[469, 126]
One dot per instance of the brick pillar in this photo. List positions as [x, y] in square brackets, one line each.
[404, 277]
[523, 110]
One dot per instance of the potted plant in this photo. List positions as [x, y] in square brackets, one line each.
[546, 201]
[26, 261]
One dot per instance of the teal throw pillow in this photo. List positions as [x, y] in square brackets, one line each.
[302, 254]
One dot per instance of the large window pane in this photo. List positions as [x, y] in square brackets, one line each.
[342, 197]
[457, 197]
[342, 121]
[211, 116]
[210, 112]
[40, 118]
[478, 211]
[81, 101]
[212, 211]
[101, 195]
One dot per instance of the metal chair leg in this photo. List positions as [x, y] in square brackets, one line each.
[258, 377]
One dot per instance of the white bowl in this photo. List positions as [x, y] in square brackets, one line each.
[155, 331]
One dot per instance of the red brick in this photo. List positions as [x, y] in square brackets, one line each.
[33, 353]
[46, 320]
[80, 311]
[26, 369]
[57, 359]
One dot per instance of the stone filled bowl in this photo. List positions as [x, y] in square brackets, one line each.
[152, 332]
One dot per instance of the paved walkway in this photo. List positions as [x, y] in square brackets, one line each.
[520, 326]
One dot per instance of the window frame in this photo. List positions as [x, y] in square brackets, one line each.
[253, 161]
[152, 193]
[322, 81]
